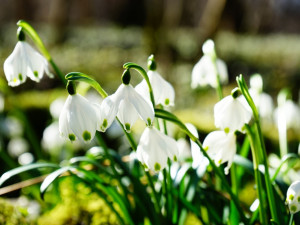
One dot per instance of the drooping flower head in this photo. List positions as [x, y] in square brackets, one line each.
[24, 61]
[78, 119]
[207, 69]
[155, 148]
[293, 197]
[127, 104]
[221, 147]
[163, 91]
[231, 114]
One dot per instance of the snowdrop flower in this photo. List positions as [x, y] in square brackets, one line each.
[293, 197]
[163, 91]
[288, 113]
[221, 147]
[24, 61]
[128, 105]
[231, 114]
[155, 148]
[206, 70]
[78, 119]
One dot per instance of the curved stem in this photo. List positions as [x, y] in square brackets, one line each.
[131, 65]
[38, 41]
[57, 71]
[78, 76]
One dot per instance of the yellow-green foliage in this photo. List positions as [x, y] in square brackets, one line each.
[11, 215]
[78, 206]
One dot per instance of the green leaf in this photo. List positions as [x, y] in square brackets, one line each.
[78, 76]
[7, 175]
[35, 37]
[50, 178]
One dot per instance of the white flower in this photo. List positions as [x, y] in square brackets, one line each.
[293, 197]
[24, 61]
[221, 147]
[128, 105]
[155, 148]
[78, 119]
[288, 113]
[162, 90]
[230, 114]
[205, 72]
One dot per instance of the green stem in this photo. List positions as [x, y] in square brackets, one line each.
[234, 216]
[144, 74]
[219, 86]
[257, 175]
[271, 198]
[170, 117]
[57, 71]
[291, 219]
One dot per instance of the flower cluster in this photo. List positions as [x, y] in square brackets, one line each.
[230, 115]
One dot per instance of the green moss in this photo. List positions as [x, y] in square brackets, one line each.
[11, 215]
[79, 205]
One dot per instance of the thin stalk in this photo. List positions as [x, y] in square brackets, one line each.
[170, 117]
[57, 71]
[271, 198]
[113, 167]
[224, 182]
[144, 74]
[291, 219]
[219, 86]
[270, 192]
[257, 175]
[234, 216]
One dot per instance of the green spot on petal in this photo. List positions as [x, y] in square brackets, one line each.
[298, 199]
[293, 208]
[206, 148]
[35, 73]
[104, 124]
[86, 135]
[167, 101]
[20, 77]
[226, 130]
[149, 121]
[175, 158]
[72, 137]
[157, 167]
[127, 127]
[291, 197]
[219, 162]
